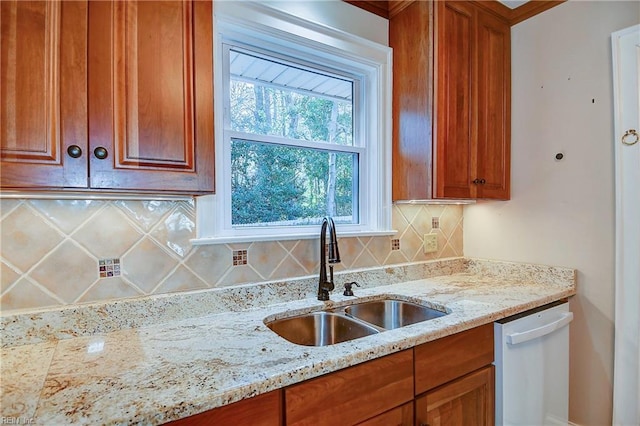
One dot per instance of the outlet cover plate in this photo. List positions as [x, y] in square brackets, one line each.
[430, 243]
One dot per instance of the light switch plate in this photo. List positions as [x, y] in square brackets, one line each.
[430, 243]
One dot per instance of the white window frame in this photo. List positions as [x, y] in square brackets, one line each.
[255, 24]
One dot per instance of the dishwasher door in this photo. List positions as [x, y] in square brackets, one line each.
[532, 367]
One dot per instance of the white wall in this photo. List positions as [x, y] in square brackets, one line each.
[562, 212]
[339, 15]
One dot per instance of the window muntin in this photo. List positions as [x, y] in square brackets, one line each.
[290, 135]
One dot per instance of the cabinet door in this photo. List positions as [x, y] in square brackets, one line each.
[411, 36]
[455, 63]
[261, 410]
[151, 95]
[43, 103]
[468, 401]
[494, 108]
[352, 395]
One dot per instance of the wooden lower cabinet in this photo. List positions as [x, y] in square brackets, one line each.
[446, 359]
[352, 395]
[261, 410]
[467, 401]
[449, 381]
[399, 416]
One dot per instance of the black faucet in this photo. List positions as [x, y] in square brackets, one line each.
[326, 285]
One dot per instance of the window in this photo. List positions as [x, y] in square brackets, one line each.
[290, 131]
[301, 130]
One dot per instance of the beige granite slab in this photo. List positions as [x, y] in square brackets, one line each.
[159, 372]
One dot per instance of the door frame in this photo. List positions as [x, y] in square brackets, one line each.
[626, 387]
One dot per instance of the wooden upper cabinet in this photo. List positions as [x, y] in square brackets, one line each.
[493, 107]
[472, 112]
[151, 95]
[107, 95]
[43, 103]
[411, 36]
[454, 63]
[451, 110]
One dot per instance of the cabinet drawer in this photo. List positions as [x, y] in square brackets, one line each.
[397, 417]
[453, 356]
[261, 410]
[354, 394]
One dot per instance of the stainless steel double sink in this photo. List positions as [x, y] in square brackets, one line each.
[350, 322]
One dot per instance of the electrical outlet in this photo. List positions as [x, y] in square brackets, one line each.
[430, 243]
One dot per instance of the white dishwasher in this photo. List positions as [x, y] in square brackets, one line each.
[532, 367]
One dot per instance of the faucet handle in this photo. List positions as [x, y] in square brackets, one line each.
[347, 288]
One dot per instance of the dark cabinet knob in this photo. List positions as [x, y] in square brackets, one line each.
[74, 151]
[479, 181]
[100, 153]
[482, 181]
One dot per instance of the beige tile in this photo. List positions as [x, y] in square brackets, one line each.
[350, 249]
[109, 289]
[68, 215]
[410, 244]
[456, 240]
[435, 210]
[380, 248]
[146, 214]
[175, 231]
[210, 262]
[408, 211]
[289, 268]
[364, 260]
[448, 252]
[26, 295]
[307, 252]
[239, 275]
[146, 265]
[449, 218]
[395, 257]
[68, 271]
[7, 276]
[398, 221]
[422, 222]
[108, 234]
[265, 257]
[7, 205]
[182, 279]
[442, 242]
[289, 244]
[26, 238]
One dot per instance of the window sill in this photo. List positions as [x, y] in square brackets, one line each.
[303, 236]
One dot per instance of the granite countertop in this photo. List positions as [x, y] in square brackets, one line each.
[162, 358]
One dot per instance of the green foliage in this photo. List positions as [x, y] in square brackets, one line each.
[274, 183]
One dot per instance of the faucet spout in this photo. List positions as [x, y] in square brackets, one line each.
[332, 256]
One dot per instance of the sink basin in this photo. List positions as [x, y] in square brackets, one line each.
[390, 314]
[320, 329]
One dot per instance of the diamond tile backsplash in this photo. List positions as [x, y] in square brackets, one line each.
[51, 250]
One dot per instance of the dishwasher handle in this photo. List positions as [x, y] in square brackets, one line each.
[534, 333]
